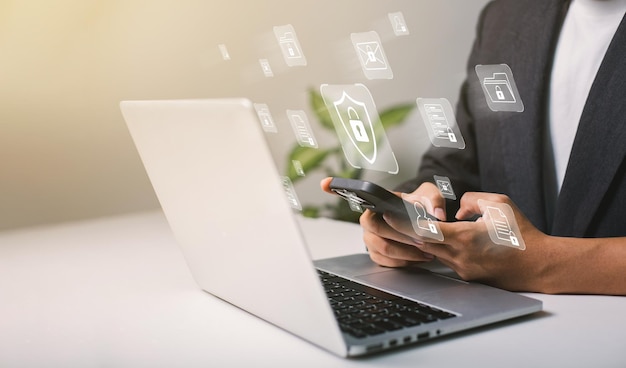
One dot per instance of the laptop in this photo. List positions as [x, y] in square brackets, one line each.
[223, 197]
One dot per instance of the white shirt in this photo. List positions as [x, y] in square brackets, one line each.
[586, 34]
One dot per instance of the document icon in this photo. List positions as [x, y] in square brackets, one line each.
[301, 128]
[499, 87]
[501, 224]
[440, 122]
[290, 193]
[371, 55]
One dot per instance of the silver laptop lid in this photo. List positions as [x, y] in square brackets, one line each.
[220, 191]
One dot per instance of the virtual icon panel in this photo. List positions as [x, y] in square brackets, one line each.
[438, 117]
[445, 186]
[301, 128]
[289, 45]
[398, 24]
[297, 166]
[371, 55]
[290, 193]
[424, 224]
[266, 68]
[358, 127]
[501, 224]
[499, 87]
[354, 201]
[224, 51]
[265, 117]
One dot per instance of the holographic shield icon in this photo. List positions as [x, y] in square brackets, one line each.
[358, 127]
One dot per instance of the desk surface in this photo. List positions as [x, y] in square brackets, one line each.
[116, 292]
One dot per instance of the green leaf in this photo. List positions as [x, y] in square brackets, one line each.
[311, 211]
[310, 159]
[320, 110]
[395, 115]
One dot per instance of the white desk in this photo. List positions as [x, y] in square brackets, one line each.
[116, 292]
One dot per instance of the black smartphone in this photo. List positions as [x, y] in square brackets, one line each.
[369, 196]
[365, 195]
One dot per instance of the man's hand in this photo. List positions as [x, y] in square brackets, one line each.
[386, 245]
[469, 251]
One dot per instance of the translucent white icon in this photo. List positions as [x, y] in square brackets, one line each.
[297, 166]
[266, 68]
[224, 51]
[289, 45]
[301, 128]
[501, 224]
[358, 127]
[499, 87]
[398, 24]
[371, 55]
[440, 122]
[354, 201]
[290, 193]
[265, 117]
[424, 224]
[445, 186]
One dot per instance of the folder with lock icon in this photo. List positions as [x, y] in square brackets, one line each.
[499, 88]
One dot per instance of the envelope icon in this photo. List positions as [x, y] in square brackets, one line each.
[371, 55]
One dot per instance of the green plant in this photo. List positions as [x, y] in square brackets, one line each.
[331, 161]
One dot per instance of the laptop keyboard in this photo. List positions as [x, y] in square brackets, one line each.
[364, 311]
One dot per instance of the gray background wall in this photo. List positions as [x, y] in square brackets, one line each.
[65, 153]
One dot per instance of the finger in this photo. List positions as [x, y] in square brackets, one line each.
[469, 203]
[390, 253]
[375, 224]
[325, 184]
[429, 195]
[441, 251]
[414, 227]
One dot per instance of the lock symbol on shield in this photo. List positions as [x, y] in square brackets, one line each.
[358, 128]
[432, 227]
[499, 93]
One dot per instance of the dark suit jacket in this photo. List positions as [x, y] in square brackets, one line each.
[505, 150]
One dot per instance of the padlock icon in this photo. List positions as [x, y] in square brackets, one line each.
[514, 240]
[499, 93]
[358, 128]
[451, 135]
[371, 55]
[400, 27]
[432, 227]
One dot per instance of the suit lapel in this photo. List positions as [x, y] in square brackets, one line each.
[599, 146]
[522, 133]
